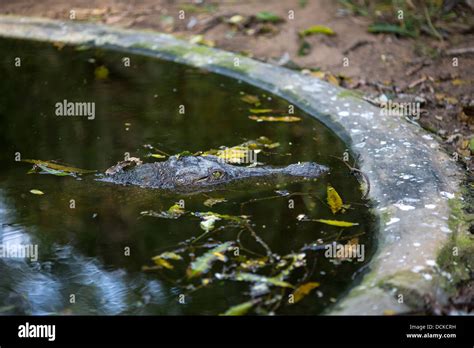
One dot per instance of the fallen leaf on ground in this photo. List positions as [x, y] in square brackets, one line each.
[317, 29]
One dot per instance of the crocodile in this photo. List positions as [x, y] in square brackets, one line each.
[206, 173]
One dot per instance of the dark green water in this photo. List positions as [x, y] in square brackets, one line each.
[81, 250]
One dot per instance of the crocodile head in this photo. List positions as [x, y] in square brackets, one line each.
[204, 173]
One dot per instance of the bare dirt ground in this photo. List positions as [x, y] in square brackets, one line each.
[439, 74]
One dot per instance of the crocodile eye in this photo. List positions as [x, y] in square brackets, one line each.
[217, 174]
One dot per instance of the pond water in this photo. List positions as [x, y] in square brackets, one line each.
[93, 239]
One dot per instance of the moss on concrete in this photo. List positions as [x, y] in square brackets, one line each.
[457, 256]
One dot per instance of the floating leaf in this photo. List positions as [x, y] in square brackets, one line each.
[337, 223]
[471, 145]
[274, 118]
[162, 263]
[203, 263]
[260, 111]
[59, 167]
[317, 29]
[265, 16]
[251, 99]
[333, 199]
[213, 201]
[47, 170]
[304, 290]
[101, 72]
[157, 155]
[37, 192]
[240, 309]
[390, 28]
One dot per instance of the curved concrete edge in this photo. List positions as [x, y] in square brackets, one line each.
[412, 180]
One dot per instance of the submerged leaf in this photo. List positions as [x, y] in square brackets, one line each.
[333, 199]
[37, 192]
[337, 223]
[304, 290]
[203, 263]
[274, 118]
[240, 309]
[256, 278]
[251, 99]
[317, 29]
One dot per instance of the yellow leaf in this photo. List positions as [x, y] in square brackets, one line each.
[318, 74]
[451, 100]
[333, 80]
[260, 111]
[220, 256]
[157, 155]
[337, 223]
[317, 29]
[333, 199]
[101, 72]
[274, 118]
[304, 290]
[37, 192]
[213, 201]
[240, 309]
[161, 262]
[200, 40]
[251, 99]
[458, 82]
